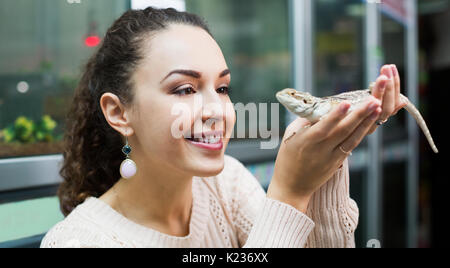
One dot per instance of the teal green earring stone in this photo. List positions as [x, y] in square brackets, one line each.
[126, 149]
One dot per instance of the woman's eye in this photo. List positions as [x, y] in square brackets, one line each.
[224, 90]
[185, 91]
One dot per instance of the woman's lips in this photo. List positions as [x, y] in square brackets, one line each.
[209, 146]
[209, 140]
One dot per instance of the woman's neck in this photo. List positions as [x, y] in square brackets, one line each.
[157, 197]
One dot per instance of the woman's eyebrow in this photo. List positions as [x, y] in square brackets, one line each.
[194, 74]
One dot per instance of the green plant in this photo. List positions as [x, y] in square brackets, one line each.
[25, 130]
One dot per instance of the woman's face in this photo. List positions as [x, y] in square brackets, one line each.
[171, 104]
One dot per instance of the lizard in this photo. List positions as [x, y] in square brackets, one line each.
[314, 108]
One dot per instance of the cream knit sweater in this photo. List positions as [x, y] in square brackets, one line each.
[229, 210]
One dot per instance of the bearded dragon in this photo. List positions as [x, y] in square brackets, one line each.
[314, 109]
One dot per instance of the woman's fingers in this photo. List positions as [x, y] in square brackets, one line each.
[378, 92]
[389, 95]
[396, 84]
[399, 103]
[358, 135]
[348, 125]
[392, 102]
[324, 127]
[380, 87]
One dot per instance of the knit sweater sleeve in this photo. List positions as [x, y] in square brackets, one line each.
[334, 213]
[263, 222]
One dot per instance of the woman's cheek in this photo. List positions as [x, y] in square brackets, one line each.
[160, 119]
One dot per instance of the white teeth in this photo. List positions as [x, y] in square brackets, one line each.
[209, 139]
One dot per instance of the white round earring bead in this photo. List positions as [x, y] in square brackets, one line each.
[128, 168]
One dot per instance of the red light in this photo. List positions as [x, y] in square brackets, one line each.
[92, 41]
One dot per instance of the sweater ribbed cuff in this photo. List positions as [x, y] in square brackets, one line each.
[279, 225]
[334, 194]
[334, 212]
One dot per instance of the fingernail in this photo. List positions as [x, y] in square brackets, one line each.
[390, 73]
[394, 70]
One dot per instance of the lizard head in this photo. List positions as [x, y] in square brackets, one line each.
[297, 102]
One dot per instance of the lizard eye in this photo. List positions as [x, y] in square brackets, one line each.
[305, 102]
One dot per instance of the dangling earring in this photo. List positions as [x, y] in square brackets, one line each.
[128, 167]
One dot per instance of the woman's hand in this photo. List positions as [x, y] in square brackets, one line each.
[314, 154]
[387, 90]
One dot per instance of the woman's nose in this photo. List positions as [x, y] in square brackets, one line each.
[212, 111]
[212, 107]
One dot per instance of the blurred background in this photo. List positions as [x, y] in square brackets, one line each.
[321, 46]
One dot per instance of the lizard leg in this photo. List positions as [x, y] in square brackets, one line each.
[286, 140]
[293, 134]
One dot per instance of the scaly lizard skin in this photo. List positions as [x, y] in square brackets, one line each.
[313, 108]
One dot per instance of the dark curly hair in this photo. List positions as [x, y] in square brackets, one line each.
[92, 149]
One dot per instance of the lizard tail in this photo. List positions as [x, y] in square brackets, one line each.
[419, 119]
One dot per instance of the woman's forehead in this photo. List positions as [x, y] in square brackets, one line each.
[179, 47]
[184, 43]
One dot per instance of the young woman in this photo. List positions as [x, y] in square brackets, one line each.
[185, 192]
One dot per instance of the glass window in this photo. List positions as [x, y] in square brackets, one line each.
[339, 46]
[44, 45]
[28, 218]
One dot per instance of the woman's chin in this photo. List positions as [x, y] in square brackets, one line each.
[204, 161]
[208, 167]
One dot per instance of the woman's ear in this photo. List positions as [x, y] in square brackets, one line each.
[115, 114]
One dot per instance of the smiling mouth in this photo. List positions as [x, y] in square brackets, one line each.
[207, 141]
[211, 140]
